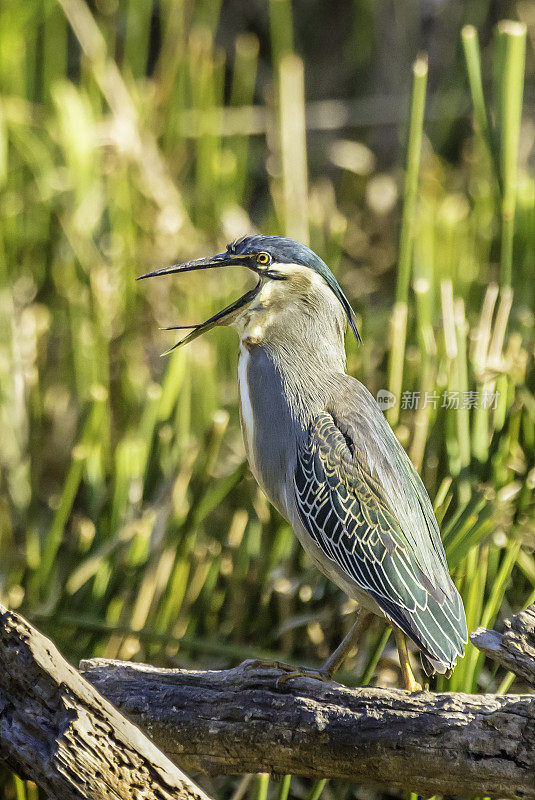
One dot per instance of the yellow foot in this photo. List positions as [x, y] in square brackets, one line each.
[411, 684]
[409, 681]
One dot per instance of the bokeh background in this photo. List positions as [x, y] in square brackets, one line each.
[138, 133]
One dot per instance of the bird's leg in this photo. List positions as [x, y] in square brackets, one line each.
[409, 681]
[326, 672]
[335, 660]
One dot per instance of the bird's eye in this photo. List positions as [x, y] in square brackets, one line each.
[263, 259]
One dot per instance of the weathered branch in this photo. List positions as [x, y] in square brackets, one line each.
[57, 730]
[240, 721]
[515, 648]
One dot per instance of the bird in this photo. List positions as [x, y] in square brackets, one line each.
[323, 452]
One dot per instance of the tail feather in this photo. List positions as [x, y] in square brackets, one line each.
[439, 630]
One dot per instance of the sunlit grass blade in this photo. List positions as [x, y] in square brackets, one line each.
[472, 56]
[281, 30]
[262, 785]
[375, 656]
[317, 788]
[20, 788]
[510, 63]
[90, 432]
[242, 94]
[284, 787]
[293, 147]
[399, 315]
[474, 659]
[136, 43]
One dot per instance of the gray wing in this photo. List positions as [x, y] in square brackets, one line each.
[363, 503]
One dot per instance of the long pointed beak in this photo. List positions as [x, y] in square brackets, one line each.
[219, 260]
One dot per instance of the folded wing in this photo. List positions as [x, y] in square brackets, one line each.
[363, 503]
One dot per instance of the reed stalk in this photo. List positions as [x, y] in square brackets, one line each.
[408, 221]
[509, 81]
[293, 147]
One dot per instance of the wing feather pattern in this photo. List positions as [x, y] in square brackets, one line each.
[364, 505]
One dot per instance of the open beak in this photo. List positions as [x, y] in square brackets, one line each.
[219, 260]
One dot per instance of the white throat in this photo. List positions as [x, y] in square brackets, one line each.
[246, 408]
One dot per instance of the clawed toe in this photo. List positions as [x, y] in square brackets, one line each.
[314, 674]
[260, 663]
[289, 672]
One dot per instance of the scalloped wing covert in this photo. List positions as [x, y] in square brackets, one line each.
[348, 510]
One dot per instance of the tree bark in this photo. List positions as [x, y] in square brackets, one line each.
[56, 729]
[240, 720]
[513, 649]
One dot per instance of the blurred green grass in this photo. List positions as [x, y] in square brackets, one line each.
[129, 524]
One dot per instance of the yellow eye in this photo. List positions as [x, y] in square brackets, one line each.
[263, 259]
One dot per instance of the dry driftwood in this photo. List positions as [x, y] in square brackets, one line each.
[57, 730]
[513, 649]
[239, 720]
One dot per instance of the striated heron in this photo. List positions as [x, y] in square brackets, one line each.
[320, 448]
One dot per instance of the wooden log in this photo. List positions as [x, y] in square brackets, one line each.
[513, 649]
[241, 720]
[56, 729]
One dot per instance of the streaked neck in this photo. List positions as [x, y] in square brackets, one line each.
[308, 351]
